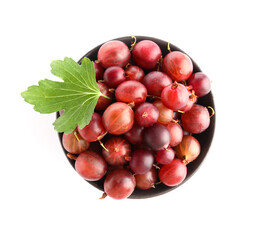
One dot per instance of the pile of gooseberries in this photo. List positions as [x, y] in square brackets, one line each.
[145, 132]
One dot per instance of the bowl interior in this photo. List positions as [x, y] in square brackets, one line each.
[204, 138]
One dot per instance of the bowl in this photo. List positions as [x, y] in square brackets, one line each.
[204, 138]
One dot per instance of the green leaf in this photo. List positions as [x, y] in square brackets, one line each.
[77, 94]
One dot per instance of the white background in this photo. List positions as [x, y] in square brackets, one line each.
[41, 195]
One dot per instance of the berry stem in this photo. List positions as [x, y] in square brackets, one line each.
[71, 156]
[145, 114]
[131, 104]
[159, 63]
[174, 85]
[212, 110]
[189, 87]
[101, 136]
[185, 160]
[104, 195]
[112, 90]
[99, 139]
[168, 47]
[76, 136]
[133, 43]
[116, 149]
[180, 111]
[193, 96]
[184, 83]
[128, 64]
[175, 121]
[157, 167]
[103, 145]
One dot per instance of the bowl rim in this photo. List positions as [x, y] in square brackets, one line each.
[157, 191]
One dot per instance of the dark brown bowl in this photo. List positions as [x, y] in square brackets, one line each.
[204, 138]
